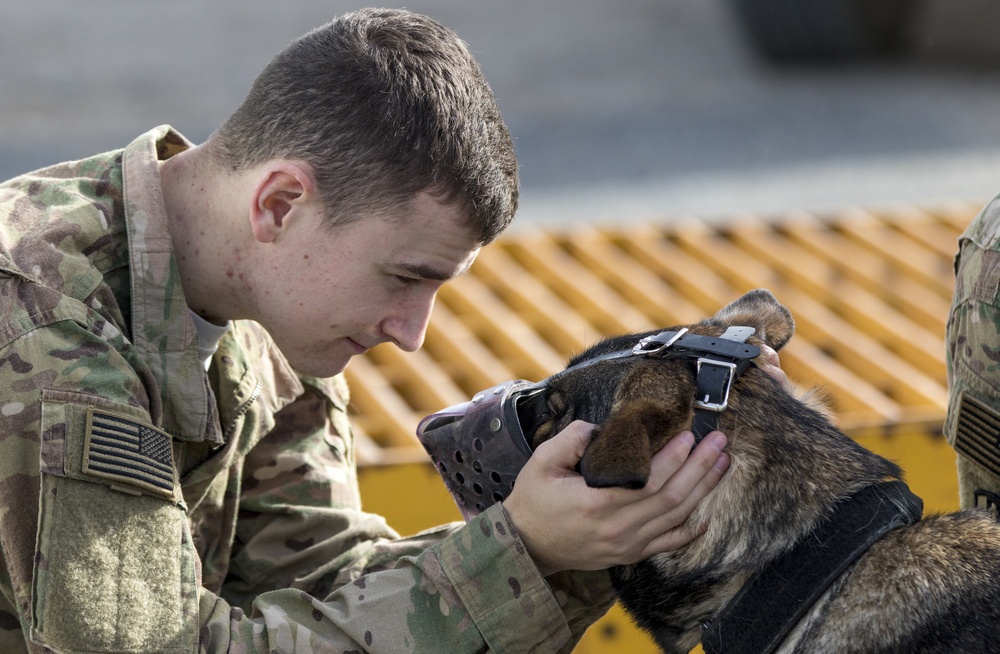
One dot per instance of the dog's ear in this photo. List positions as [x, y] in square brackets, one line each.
[759, 309]
[620, 452]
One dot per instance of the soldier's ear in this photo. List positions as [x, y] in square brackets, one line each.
[762, 311]
[280, 188]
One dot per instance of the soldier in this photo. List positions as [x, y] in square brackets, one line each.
[973, 356]
[178, 471]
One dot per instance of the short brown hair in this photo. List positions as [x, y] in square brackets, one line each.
[383, 104]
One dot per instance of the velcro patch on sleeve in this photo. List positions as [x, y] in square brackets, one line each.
[977, 433]
[125, 451]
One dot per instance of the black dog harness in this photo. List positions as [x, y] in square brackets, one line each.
[762, 614]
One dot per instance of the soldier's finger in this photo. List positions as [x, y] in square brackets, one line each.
[772, 364]
[699, 464]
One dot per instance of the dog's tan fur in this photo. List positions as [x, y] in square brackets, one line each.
[930, 587]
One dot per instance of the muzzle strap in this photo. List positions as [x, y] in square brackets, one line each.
[720, 360]
[715, 375]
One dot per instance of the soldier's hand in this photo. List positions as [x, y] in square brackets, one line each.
[566, 525]
[772, 365]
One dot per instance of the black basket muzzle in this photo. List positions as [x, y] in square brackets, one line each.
[478, 446]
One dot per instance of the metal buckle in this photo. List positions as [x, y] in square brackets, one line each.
[990, 501]
[718, 407]
[640, 347]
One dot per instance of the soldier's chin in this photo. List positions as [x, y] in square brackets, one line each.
[317, 367]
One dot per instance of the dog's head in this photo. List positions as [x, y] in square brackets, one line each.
[639, 403]
[790, 464]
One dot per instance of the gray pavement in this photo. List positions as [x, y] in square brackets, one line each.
[622, 109]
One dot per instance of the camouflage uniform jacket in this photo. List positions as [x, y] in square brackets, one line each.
[973, 358]
[146, 506]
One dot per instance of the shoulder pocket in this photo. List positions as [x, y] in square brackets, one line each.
[115, 569]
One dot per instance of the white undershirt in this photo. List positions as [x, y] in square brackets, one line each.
[209, 335]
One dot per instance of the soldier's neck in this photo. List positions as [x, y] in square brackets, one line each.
[202, 204]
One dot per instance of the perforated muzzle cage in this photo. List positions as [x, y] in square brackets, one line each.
[479, 446]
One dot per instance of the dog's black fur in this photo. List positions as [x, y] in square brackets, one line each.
[933, 586]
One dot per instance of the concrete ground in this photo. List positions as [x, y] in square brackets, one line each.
[622, 109]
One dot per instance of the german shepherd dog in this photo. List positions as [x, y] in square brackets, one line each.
[929, 585]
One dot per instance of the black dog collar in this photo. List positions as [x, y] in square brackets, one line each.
[762, 614]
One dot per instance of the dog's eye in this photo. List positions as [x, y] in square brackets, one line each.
[556, 403]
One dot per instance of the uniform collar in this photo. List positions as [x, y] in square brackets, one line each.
[162, 331]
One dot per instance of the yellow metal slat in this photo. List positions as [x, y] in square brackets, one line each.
[419, 378]
[497, 324]
[894, 376]
[387, 417]
[545, 310]
[469, 361]
[875, 274]
[849, 300]
[904, 254]
[572, 280]
[925, 229]
[635, 283]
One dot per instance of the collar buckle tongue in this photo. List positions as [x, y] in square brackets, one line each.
[657, 343]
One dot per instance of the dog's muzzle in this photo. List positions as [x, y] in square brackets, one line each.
[479, 446]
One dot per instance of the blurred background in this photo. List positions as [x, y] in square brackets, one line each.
[620, 108]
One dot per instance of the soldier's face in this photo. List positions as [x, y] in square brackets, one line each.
[331, 294]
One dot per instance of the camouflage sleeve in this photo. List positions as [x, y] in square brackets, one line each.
[302, 529]
[474, 591]
[973, 359]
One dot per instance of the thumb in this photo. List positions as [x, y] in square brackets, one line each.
[565, 449]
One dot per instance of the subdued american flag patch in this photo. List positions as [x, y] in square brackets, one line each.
[977, 433]
[124, 450]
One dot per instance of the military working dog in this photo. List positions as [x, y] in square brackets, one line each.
[786, 532]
